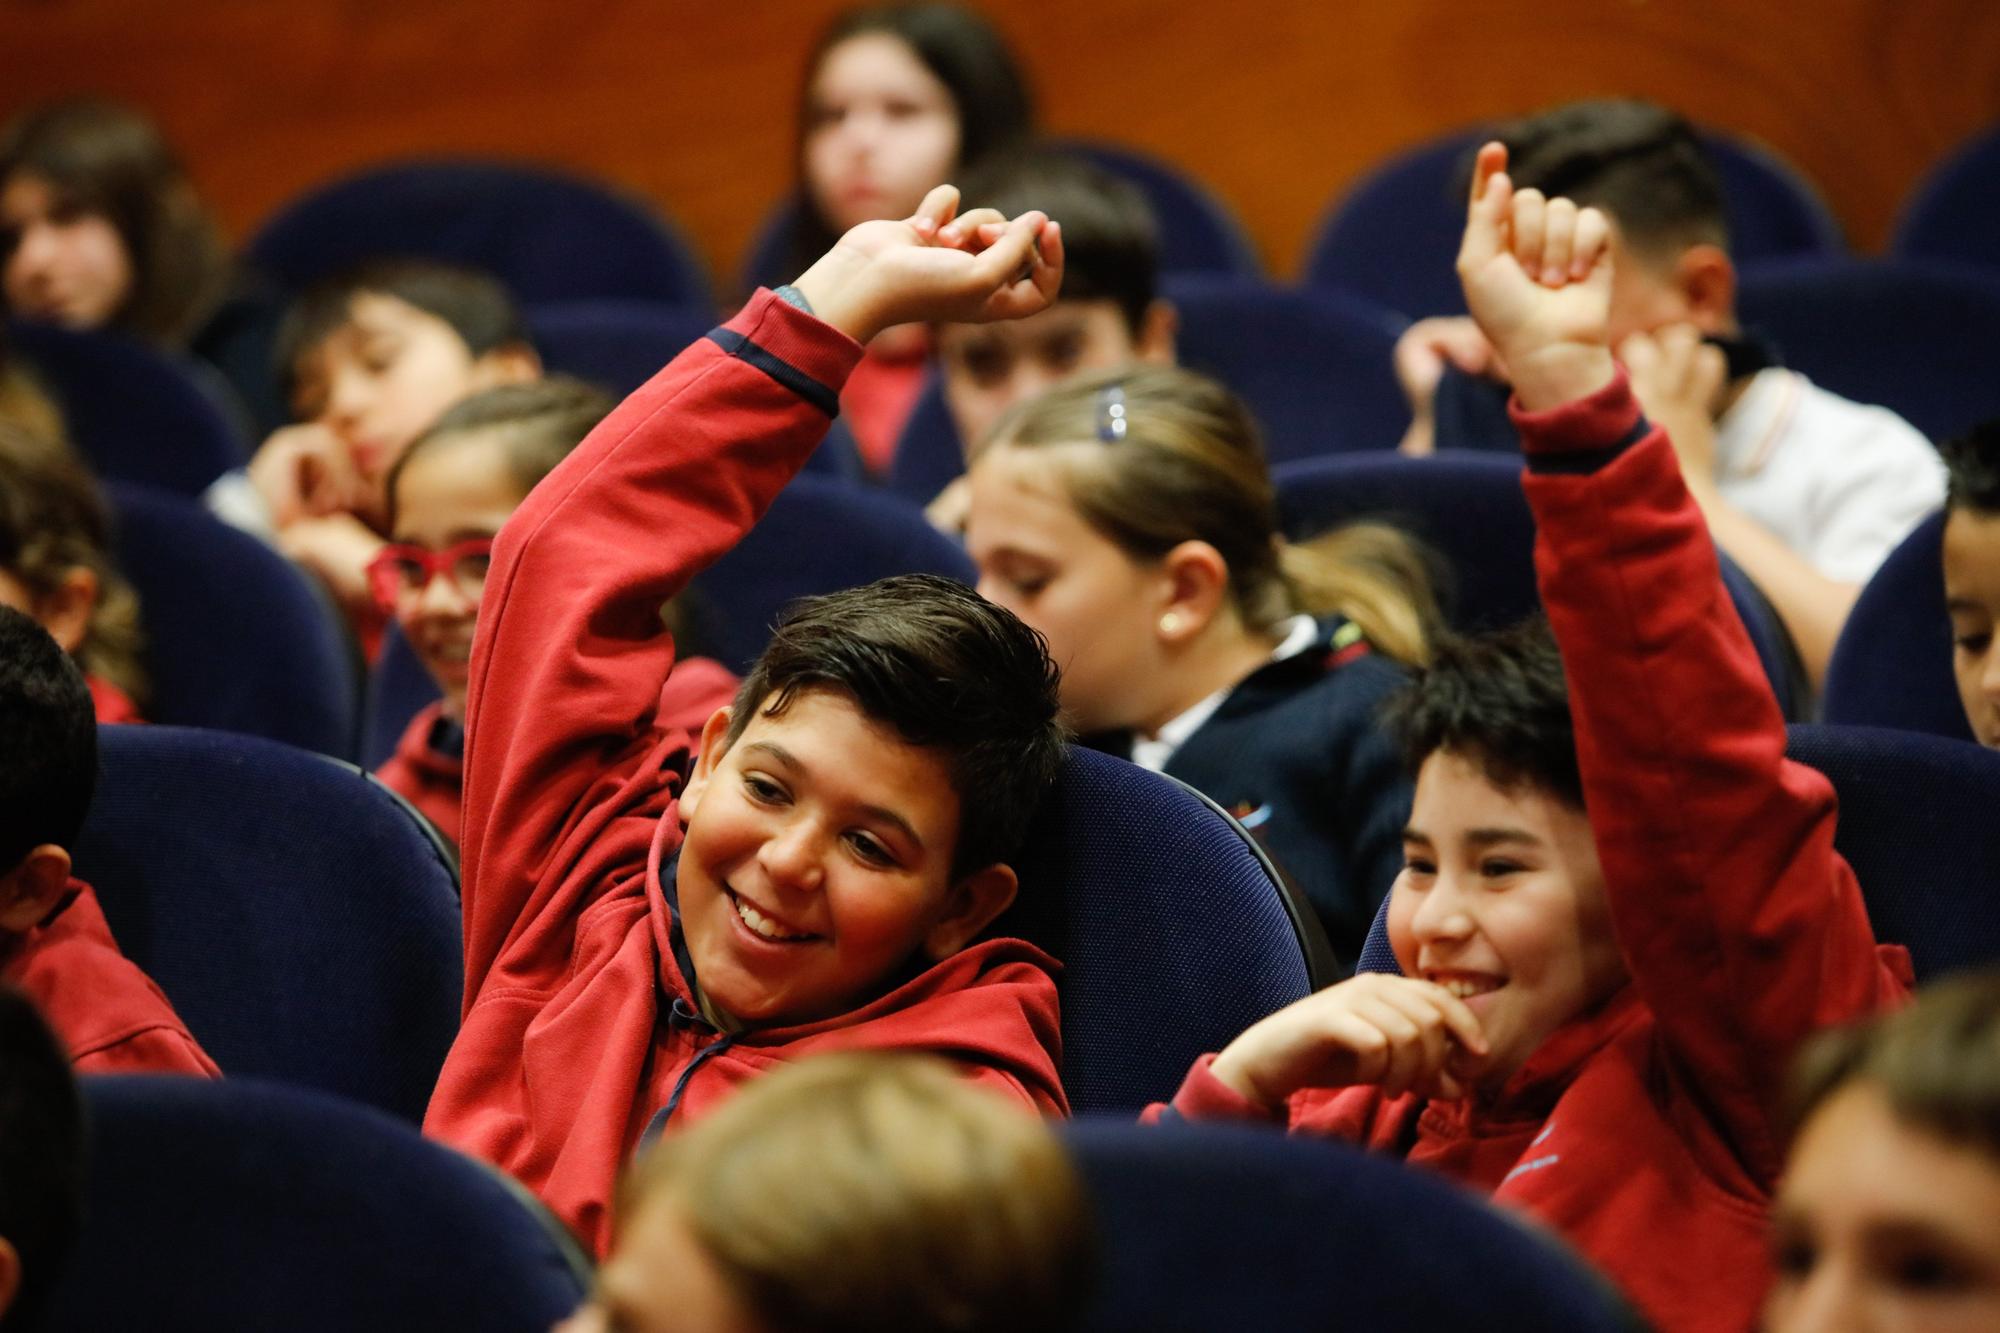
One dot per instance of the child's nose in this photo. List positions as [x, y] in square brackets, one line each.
[1442, 913]
[1989, 679]
[791, 857]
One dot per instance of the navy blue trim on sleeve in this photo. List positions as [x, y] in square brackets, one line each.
[784, 372]
[1578, 462]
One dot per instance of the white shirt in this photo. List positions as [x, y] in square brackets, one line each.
[1299, 633]
[1839, 482]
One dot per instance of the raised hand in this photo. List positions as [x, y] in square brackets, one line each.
[1537, 277]
[1397, 1033]
[936, 266]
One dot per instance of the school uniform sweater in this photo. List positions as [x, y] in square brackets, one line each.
[1645, 1132]
[1297, 752]
[580, 1023]
[110, 703]
[428, 767]
[109, 1015]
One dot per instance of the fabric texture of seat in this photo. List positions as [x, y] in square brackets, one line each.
[237, 638]
[1949, 216]
[619, 345]
[1892, 664]
[1173, 931]
[819, 536]
[1207, 1226]
[247, 1205]
[398, 689]
[1910, 335]
[301, 917]
[1915, 823]
[1393, 236]
[547, 235]
[134, 413]
[1198, 233]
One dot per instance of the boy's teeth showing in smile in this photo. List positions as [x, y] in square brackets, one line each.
[763, 926]
[1464, 987]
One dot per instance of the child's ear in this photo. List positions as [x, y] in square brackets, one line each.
[1197, 587]
[974, 902]
[509, 363]
[31, 890]
[65, 610]
[709, 749]
[1158, 328]
[1707, 280]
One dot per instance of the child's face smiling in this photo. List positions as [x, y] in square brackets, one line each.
[1501, 901]
[818, 861]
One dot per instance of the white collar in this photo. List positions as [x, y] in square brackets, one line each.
[1300, 632]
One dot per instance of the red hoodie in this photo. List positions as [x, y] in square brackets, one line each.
[431, 776]
[109, 1014]
[1646, 1131]
[580, 1021]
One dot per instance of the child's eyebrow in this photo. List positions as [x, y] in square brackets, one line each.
[786, 759]
[1964, 604]
[1489, 837]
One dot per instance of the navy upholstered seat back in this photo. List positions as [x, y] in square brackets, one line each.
[1916, 823]
[398, 689]
[1909, 335]
[246, 1205]
[1209, 1227]
[301, 917]
[134, 413]
[1950, 214]
[819, 536]
[1173, 931]
[1393, 236]
[547, 235]
[1198, 233]
[1892, 664]
[237, 637]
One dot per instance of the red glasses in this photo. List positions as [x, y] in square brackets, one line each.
[402, 571]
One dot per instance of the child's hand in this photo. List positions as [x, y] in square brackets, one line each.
[1679, 380]
[1537, 276]
[1398, 1033]
[303, 472]
[936, 267]
[337, 549]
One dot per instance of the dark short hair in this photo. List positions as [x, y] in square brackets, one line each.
[109, 160]
[1111, 241]
[963, 51]
[48, 741]
[476, 305]
[1937, 1062]
[1972, 469]
[41, 1155]
[1498, 699]
[1638, 161]
[949, 671]
[537, 424]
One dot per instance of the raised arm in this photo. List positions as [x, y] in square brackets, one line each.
[571, 654]
[1742, 928]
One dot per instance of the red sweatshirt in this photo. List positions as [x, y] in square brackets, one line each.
[110, 703]
[1645, 1132]
[580, 1021]
[432, 777]
[109, 1014]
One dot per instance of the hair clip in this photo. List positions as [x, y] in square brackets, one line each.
[1111, 421]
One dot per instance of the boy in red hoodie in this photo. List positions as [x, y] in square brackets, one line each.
[1604, 975]
[54, 943]
[652, 919]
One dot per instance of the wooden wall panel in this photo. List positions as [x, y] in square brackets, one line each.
[1277, 103]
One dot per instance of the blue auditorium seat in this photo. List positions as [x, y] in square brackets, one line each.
[619, 345]
[302, 918]
[819, 536]
[237, 638]
[1393, 236]
[547, 235]
[1173, 929]
[1916, 823]
[1914, 336]
[398, 689]
[1892, 664]
[1949, 216]
[133, 412]
[1206, 1226]
[245, 1205]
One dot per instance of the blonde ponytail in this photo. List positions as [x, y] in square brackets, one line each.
[1375, 575]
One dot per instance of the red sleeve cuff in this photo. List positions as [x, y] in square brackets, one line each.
[1607, 420]
[1203, 1096]
[803, 341]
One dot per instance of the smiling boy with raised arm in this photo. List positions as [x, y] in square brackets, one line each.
[1612, 938]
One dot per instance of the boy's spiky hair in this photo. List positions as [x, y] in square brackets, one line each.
[949, 671]
[1498, 699]
[1972, 469]
[48, 741]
